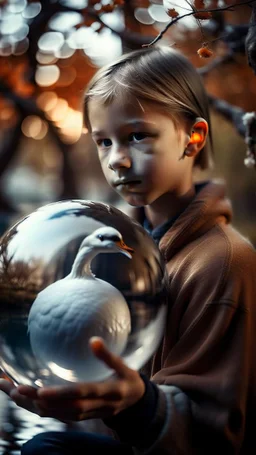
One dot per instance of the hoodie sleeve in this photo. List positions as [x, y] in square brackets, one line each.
[201, 399]
[203, 388]
[204, 370]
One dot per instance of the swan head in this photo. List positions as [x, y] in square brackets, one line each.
[107, 240]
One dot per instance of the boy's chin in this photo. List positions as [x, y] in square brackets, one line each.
[136, 201]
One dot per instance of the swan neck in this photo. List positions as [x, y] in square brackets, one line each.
[82, 263]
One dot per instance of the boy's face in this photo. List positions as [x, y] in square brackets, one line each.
[140, 150]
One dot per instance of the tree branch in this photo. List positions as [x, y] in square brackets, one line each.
[232, 113]
[192, 13]
[127, 37]
[244, 123]
[250, 41]
[28, 107]
[249, 120]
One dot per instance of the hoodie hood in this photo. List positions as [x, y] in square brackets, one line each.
[209, 207]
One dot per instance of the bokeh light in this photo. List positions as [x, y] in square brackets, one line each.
[81, 38]
[77, 4]
[46, 59]
[58, 111]
[65, 51]
[63, 22]
[47, 101]
[158, 13]
[32, 10]
[34, 127]
[104, 47]
[71, 126]
[50, 42]
[142, 15]
[47, 75]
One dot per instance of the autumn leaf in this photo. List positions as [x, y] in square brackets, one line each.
[172, 13]
[201, 15]
[204, 15]
[107, 8]
[199, 4]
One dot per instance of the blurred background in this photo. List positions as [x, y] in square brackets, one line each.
[49, 50]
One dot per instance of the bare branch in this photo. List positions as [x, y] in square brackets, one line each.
[128, 37]
[26, 107]
[249, 120]
[244, 123]
[232, 113]
[250, 41]
[210, 10]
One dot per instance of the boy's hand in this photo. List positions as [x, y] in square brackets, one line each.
[26, 401]
[82, 401]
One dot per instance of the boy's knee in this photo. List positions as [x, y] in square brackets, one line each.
[38, 445]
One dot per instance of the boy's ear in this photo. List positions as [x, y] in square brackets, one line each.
[198, 137]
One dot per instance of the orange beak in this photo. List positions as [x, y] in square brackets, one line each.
[125, 249]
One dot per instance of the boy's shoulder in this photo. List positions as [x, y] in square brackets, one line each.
[220, 262]
[224, 247]
[241, 251]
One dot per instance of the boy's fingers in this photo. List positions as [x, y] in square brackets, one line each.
[12, 391]
[111, 360]
[6, 386]
[28, 391]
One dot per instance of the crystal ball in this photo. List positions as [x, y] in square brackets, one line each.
[69, 271]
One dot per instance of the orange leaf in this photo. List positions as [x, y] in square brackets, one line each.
[199, 4]
[172, 13]
[107, 8]
[204, 15]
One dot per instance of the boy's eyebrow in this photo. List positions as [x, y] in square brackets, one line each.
[138, 122]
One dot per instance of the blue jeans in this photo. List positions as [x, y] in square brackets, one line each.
[73, 443]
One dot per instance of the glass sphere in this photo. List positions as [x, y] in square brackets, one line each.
[69, 271]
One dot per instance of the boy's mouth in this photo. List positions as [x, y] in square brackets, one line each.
[126, 182]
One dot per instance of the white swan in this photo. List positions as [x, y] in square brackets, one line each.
[67, 313]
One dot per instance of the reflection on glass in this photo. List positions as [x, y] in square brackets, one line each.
[49, 344]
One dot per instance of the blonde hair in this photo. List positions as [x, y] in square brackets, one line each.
[156, 74]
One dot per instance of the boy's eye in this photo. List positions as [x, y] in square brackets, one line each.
[104, 142]
[137, 137]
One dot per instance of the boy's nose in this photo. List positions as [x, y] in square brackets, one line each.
[119, 159]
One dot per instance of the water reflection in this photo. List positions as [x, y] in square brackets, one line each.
[18, 425]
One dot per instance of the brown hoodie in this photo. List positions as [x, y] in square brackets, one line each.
[205, 366]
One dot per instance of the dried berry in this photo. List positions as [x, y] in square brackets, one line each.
[205, 52]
